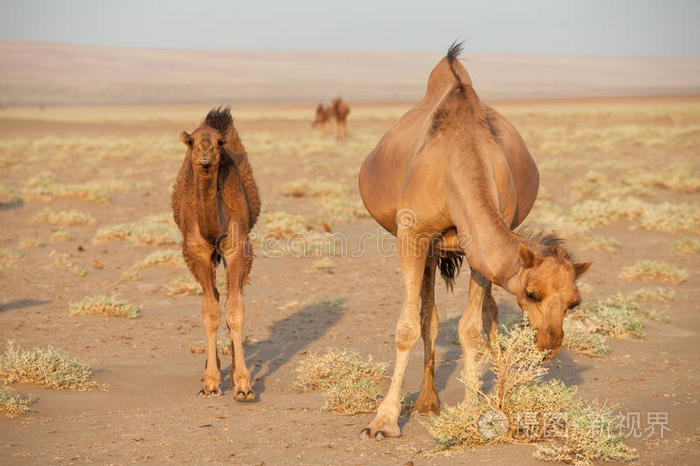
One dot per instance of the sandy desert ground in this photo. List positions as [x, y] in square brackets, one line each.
[619, 181]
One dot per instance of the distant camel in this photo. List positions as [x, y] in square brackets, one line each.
[215, 205]
[323, 119]
[340, 110]
[451, 179]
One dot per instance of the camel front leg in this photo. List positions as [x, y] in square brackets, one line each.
[490, 317]
[237, 267]
[412, 254]
[199, 259]
[428, 401]
[470, 327]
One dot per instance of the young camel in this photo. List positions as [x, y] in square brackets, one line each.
[340, 110]
[452, 179]
[323, 119]
[215, 205]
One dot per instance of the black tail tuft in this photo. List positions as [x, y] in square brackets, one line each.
[220, 119]
[452, 56]
[454, 51]
[449, 268]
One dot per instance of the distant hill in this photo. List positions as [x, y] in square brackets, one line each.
[54, 74]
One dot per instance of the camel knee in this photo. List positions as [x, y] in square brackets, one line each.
[234, 315]
[469, 333]
[211, 314]
[407, 333]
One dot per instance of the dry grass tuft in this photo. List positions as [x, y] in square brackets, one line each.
[45, 366]
[61, 236]
[30, 243]
[8, 258]
[159, 258]
[654, 271]
[686, 246]
[518, 398]
[319, 187]
[157, 229]
[63, 260]
[45, 187]
[283, 225]
[13, 404]
[104, 305]
[583, 339]
[64, 217]
[184, 285]
[222, 347]
[653, 294]
[350, 384]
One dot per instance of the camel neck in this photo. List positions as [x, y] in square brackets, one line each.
[205, 186]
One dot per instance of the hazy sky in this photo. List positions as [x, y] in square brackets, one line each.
[597, 27]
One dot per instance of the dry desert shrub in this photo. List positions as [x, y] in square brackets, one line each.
[318, 187]
[64, 217]
[283, 225]
[678, 178]
[45, 366]
[499, 416]
[686, 245]
[159, 258]
[45, 187]
[63, 260]
[184, 285]
[582, 338]
[100, 304]
[61, 236]
[653, 294]
[349, 383]
[222, 347]
[159, 230]
[8, 258]
[30, 243]
[654, 271]
[13, 404]
[342, 209]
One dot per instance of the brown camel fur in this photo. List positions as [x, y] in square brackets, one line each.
[215, 205]
[323, 119]
[340, 110]
[452, 179]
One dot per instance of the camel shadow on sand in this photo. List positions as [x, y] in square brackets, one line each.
[288, 337]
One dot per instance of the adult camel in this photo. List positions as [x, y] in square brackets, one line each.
[452, 179]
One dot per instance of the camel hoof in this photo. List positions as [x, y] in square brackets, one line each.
[367, 433]
[207, 393]
[245, 396]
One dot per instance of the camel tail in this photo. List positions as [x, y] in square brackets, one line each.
[453, 54]
[449, 268]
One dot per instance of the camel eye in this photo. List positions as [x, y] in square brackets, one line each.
[533, 297]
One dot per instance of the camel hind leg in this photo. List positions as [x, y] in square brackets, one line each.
[428, 401]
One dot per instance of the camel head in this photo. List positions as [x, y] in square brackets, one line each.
[547, 290]
[321, 115]
[204, 147]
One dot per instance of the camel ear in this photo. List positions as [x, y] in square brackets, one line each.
[581, 267]
[527, 257]
[186, 138]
